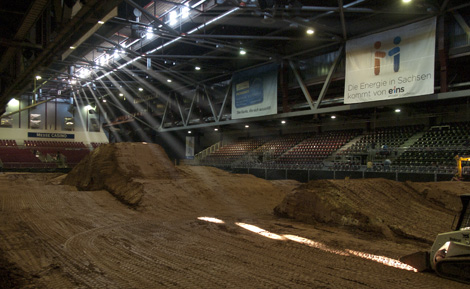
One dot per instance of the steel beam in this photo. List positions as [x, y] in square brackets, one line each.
[335, 109]
[302, 85]
[327, 82]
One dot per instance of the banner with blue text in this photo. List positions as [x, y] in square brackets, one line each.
[254, 92]
[393, 64]
[51, 135]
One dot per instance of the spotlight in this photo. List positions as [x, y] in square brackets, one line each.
[247, 126]
[189, 131]
[333, 116]
[397, 110]
[310, 31]
[38, 77]
[283, 121]
[169, 80]
[149, 33]
[121, 94]
[141, 89]
[197, 68]
[216, 129]
[101, 22]
[242, 51]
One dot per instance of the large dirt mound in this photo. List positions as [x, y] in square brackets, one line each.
[118, 168]
[141, 175]
[388, 208]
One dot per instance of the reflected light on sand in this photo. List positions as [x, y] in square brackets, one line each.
[260, 231]
[383, 260]
[315, 244]
[318, 245]
[210, 219]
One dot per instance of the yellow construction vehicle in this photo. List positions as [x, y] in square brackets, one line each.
[450, 254]
[463, 168]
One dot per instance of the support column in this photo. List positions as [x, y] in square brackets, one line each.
[443, 56]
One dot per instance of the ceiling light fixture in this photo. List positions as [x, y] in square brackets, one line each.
[149, 33]
[196, 29]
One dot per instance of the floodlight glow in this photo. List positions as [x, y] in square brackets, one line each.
[247, 126]
[38, 77]
[397, 110]
[72, 47]
[121, 94]
[13, 102]
[242, 51]
[149, 34]
[333, 116]
[216, 129]
[185, 11]
[169, 80]
[101, 22]
[141, 89]
[197, 68]
[173, 17]
[310, 31]
[283, 121]
[189, 131]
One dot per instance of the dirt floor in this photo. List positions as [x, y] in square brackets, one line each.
[127, 218]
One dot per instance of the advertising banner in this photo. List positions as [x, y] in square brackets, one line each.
[254, 92]
[393, 64]
[51, 135]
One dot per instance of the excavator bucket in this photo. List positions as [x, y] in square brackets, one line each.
[418, 260]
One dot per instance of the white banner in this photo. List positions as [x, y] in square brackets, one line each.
[254, 92]
[393, 64]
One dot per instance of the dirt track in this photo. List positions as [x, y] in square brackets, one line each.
[59, 237]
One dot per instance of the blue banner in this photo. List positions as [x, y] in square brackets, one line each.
[254, 92]
[51, 135]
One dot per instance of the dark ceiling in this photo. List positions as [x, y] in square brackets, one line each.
[119, 57]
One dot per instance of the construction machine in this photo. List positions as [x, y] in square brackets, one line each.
[450, 254]
[463, 168]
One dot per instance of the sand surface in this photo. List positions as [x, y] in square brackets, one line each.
[127, 218]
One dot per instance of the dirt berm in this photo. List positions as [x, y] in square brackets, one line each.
[388, 208]
[142, 176]
[118, 168]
